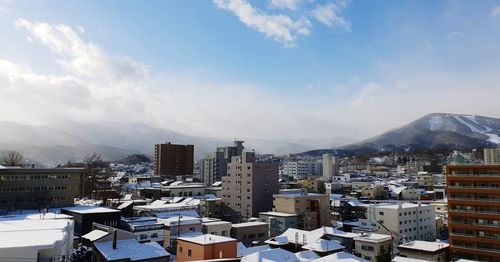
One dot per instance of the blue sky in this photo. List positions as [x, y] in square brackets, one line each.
[277, 68]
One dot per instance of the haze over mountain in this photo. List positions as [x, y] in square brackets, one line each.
[436, 131]
[62, 141]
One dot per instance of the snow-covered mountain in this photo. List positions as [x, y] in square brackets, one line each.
[437, 131]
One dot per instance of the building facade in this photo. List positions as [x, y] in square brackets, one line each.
[37, 188]
[206, 247]
[248, 187]
[278, 222]
[474, 211]
[492, 156]
[300, 169]
[312, 210]
[173, 160]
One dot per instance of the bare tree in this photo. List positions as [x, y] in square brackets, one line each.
[13, 158]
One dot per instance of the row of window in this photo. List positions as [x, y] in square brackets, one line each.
[34, 177]
[30, 200]
[34, 188]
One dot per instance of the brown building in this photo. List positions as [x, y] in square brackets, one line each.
[474, 211]
[249, 187]
[36, 188]
[250, 232]
[206, 247]
[312, 210]
[173, 160]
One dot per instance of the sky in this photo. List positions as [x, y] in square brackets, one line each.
[239, 68]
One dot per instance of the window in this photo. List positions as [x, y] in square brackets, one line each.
[381, 213]
[189, 252]
[180, 249]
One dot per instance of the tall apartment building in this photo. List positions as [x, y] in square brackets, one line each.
[492, 156]
[36, 188]
[474, 211]
[214, 166]
[312, 210]
[207, 169]
[301, 169]
[173, 160]
[330, 167]
[405, 221]
[249, 186]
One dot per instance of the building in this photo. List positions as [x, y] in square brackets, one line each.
[474, 211]
[249, 187]
[36, 237]
[373, 247]
[312, 210]
[37, 188]
[85, 216]
[207, 169]
[206, 247]
[146, 229]
[425, 250]
[278, 222]
[330, 167]
[216, 227]
[173, 160]
[300, 169]
[492, 156]
[405, 221]
[250, 232]
[180, 226]
[312, 184]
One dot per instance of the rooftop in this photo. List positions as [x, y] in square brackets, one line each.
[132, 249]
[207, 239]
[374, 238]
[340, 257]
[90, 209]
[278, 214]
[322, 245]
[249, 224]
[424, 245]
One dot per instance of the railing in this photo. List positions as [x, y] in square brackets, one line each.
[474, 223]
[474, 235]
[478, 248]
[475, 187]
[474, 211]
[470, 174]
[475, 199]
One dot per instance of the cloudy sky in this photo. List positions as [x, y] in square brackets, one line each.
[241, 68]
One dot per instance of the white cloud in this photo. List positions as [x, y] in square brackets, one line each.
[495, 11]
[292, 5]
[365, 92]
[456, 34]
[278, 27]
[329, 14]
[81, 29]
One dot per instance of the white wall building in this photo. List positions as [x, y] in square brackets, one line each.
[406, 221]
[36, 237]
[301, 169]
[492, 156]
[330, 166]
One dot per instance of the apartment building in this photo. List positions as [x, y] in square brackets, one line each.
[373, 247]
[173, 160]
[249, 187]
[474, 211]
[312, 210]
[37, 188]
[250, 232]
[301, 169]
[206, 247]
[492, 156]
[425, 250]
[278, 222]
[406, 221]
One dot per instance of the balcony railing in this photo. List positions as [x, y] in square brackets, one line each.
[471, 174]
[475, 236]
[493, 212]
[475, 187]
[474, 223]
[475, 199]
[478, 248]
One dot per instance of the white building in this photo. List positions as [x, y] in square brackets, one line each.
[300, 169]
[330, 166]
[406, 221]
[492, 156]
[36, 237]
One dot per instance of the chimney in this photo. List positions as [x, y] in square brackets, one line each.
[114, 239]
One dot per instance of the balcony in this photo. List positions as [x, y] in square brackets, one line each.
[471, 174]
[474, 187]
[491, 212]
[475, 199]
[474, 224]
[475, 236]
[468, 247]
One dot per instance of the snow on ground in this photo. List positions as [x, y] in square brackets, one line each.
[476, 127]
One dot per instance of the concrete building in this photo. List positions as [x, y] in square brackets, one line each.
[37, 188]
[250, 232]
[312, 210]
[85, 216]
[492, 156]
[146, 229]
[301, 169]
[207, 169]
[330, 167]
[217, 227]
[173, 160]
[405, 221]
[373, 247]
[425, 250]
[474, 211]
[36, 237]
[180, 226]
[312, 184]
[206, 247]
[278, 222]
[249, 187]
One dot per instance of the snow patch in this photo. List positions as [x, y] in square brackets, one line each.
[476, 127]
[434, 122]
[493, 138]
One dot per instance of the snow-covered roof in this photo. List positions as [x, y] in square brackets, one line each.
[184, 213]
[244, 251]
[425, 245]
[125, 204]
[373, 237]
[305, 256]
[132, 249]
[207, 239]
[90, 209]
[322, 245]
[340, 257]
[95, 235]
[407, 259]
[278, 214]
[184, 220]
[271, 255]
[21, 232]
[249, 224]
[334, 232]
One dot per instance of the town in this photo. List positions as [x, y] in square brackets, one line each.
[236, 205]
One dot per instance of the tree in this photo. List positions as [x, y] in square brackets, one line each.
[13, 158]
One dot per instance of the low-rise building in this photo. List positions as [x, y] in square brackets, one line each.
[206, 247]
[180, 226]
[84, 216]
[250, 232]
[278, 222]
[425, 250]
[218, 227]
[312, 210]
[373, 247]
[146, 229]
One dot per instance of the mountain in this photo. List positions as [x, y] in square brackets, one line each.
[437, 131]
[62, 141]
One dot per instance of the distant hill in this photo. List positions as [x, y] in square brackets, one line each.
[438, 131]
